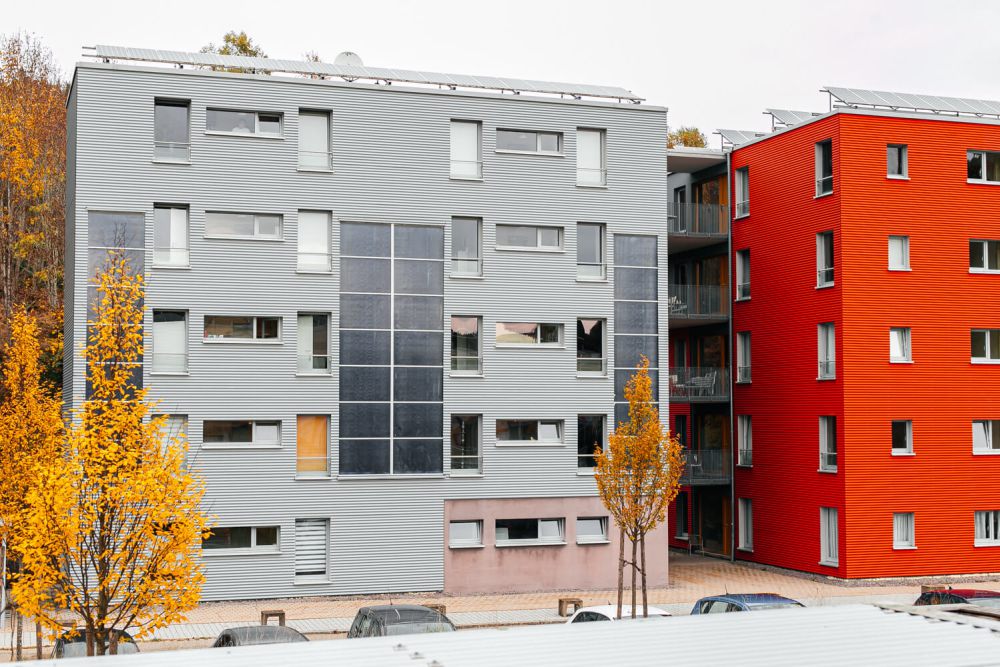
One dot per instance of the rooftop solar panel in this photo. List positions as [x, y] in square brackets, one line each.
[350, 72]
[787, 117]
[738, 137]
[906, 101]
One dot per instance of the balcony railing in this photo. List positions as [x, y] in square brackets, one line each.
[312, 466]
[827, 370]
[699, 301]
[689, 384]
[828, 461]
[745, 457]
[698, 219]
[706, 466]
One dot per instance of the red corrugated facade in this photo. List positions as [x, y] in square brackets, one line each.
[942, 483]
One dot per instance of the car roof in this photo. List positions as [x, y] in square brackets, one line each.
[612, 610]
[969, 592]
[265, 633]
[405, 613]
[751, 599]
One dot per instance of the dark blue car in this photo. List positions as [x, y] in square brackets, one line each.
[720, 604]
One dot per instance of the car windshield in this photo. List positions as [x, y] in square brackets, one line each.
[992, 603]
[416, 628]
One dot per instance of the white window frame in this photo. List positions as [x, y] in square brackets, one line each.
[908, 450]
[604, 351]
[742, 192]
[981, 156]
[256, 131]
[602, 249]
[304, 246]
[326, 458]
[821, 178]
[904, 245]
[253, 330]
[161, 370]
[478, 470]
[826, 335]
[162, 150]
[744, 348]
[172, 256]
[828, 444]
[903, 336]
[559, 424]
[584, 175]
[988, 440]
[991, 345]
[987, 528]
[465, 543]
[984, 245]
[478, 259]
[257, 234]
[458, 161]
[904, 531]
[745, 433]
[538, 335]
[903, 154]
[604, 441]
[479, 342]
[254, 548]
[538, 247]
[825, 274]
[592, 538]
[304, 345]
[538, 141]
[745, 533]
[257, 440]
[743, 274]
[829, 533]
[561, 539]
[327, 161]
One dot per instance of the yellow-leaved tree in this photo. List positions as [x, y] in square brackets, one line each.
[638, 476]
[115, 521]
[31, 429]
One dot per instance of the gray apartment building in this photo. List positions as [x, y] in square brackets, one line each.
[392, 312]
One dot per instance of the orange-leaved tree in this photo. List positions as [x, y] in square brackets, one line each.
[690, 137]
[31, 430]
[119, 509]
[638, 476]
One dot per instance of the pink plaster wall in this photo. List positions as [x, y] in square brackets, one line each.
[490, 569]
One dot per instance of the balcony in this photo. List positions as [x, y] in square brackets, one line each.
[693, 305]
[699, 385]
[706, 466]
[696, 225]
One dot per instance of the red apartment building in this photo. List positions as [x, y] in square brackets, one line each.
[865, 255]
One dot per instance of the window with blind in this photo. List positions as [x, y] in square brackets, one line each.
[466, 246]
[824, 259]
[171, 130]
[899, 345]
[746, 524]
[314, 140]
[899, 253]
[169, 341]
[311, 544]
[170, 235]
[829, 551]
[987, 528]
[827, 351]
[828, 444]
[986, 436]
[590, 158]
[314, 241]
[466, 149]
[312, 452]
[903, 534]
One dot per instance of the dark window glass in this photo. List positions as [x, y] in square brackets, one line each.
[418, 348]
[622, 376]
[419, 312]
[621, 413]
[589, 341]
[993, 167]
[629, 348]
[417, 456]
[417, 384]
[465, 442]
[635, 284]
[240, 122]
[364, 311]
[320, 335]
[227, 431]
[417, 420]
[419, 277]
[364, 420]
[267, 328]
[364, 383]
[900, 437]
[681, 516]
[228, 538]
[116, 230]
[364, 239]
[519, 529]
[510, 429]
[975, 166]
[364, 457]
[423, 242]
[512, 140]
[267, 536]
[365, 275]
[589, 436]
[98, 260]
[365, 348]
[635, 250]
[633, 317]
[681, 429]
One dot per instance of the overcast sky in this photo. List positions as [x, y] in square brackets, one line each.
[715, 63]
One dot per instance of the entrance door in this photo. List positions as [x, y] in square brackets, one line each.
[712, 514]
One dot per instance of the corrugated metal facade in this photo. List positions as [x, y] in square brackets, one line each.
[391, 162]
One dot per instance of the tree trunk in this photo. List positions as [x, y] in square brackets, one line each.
[38, 640]
[642, 557]
[634, 571]
[18, 629]
[621, 569]
[90, 639]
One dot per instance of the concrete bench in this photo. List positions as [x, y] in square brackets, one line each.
[565, 603]
[268, 614]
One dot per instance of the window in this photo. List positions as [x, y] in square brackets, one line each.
[245, 432]
[529, 142]
[681, 515]
[252, 538]
[590, 347]
[313, 343]
[522, 237]
[986, 435]
[902, 436]
[534, 431]
[592, 530]
[828, 444]
[312, 540]
[314, 241]
[466, 149]
[170, 341]
[829, 553]
[314, 140]
[243, 122]
[590, 158]
[984, 256]
[589, 438]
[466, 451]
[745, 434]
[636, 305]
[742, 274]
[903, 533]
[742, 192]
[170, 235]
[529, 333]
[986, 345]
[743, 356]
[984, 167]
[220, 328]
[824, 259]
[899, 253]
[466, 355]
[242, 225]
[824, 168]
[590, 256]
[175, 428]
[899, 345]
[465, 534]
[746, 524]
[827, 351]
[171, 130]
[466, 247]
[895, 161]
[311, 438]
[681, 428]
[516, 532]
[987, 528]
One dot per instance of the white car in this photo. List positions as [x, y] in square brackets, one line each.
[609, 612]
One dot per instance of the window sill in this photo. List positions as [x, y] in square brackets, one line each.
[470, 179]
[900, 269]
[466, 375]
[681, 537]
[748, 550]
[467, 276]
[514, 248]
[465, 475]
[829, 563]
[825, 285]
[591, 187]
[985, 362]
[981, 545]
[311, 581]
[244, 135]
[310, 478]
[597, 281]
[741, 298]
[173, 267]
[985, 453]
[592, 376]
[825, 194]
[589, 542]
[585, 472]
[901, 361]
[972, 181]
[508, 545]
[313, 375]
[212, 341]
[529, 443]
[741, 217]
[508, 151]
[409, 476]
[890, 177]
[902, 548]
[744, 382]
[903, 454]
[216, 446]
[826, 378]
[994, 272]
[313, 170]
[828, 471]
[161, 161]
[219, 553]
[744, 465]
[466, 546]
[314, 272]
[180, 374]
[216, 237]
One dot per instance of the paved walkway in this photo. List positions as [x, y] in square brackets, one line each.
[691, 577]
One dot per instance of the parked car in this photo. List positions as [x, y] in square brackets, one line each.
[398, 619]
[961, 596]
[75, 646]
[609, 612]
[252, 635]
[716, 604]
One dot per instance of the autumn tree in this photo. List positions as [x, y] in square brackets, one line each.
[638, 476]
[32, 190]
[31, 429]
[691, 137]
[118, 508]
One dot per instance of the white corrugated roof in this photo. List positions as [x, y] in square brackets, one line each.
[818, 636]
